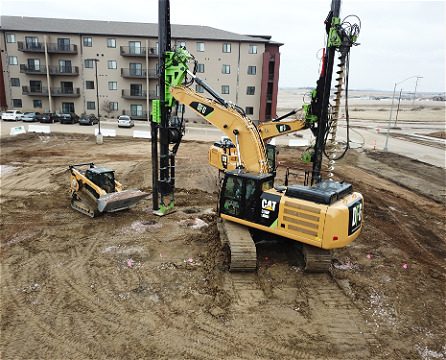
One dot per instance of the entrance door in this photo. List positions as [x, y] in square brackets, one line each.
[135, 89]
[135, 47]
[66, 87]
[136, 110]
[35, 86]
[32, 42]
[34, 65]
[63, 44]
[65, 66]
[67, 108]
[135, 69]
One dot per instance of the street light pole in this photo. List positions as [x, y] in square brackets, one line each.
[386, 145]
[97, 95]
[415, 91]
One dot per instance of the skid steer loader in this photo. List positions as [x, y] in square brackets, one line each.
[94, 190]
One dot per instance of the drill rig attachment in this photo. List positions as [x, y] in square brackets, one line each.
[94, 191]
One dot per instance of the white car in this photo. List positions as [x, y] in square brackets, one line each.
[12, 115]
[125, 121]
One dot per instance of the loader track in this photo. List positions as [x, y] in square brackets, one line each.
[241, 244]
[84, 202]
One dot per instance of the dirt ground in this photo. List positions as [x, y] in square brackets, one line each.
[132, 285]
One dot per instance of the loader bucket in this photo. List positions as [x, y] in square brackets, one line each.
[120, 200]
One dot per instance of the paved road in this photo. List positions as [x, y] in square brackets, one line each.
[368, 135]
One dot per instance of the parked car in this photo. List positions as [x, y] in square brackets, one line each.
[125, 121]
[68, 118]
[12, 115]
[30, 116]
[49, 117]
[88, 119]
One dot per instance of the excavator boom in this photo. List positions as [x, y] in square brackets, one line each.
[242, 131]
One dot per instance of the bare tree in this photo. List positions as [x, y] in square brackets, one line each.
[107, 107]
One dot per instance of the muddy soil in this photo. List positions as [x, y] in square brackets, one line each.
[133, 285]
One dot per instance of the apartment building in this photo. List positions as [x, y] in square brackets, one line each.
[67, 65]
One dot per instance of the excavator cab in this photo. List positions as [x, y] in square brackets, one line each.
[241, 194]
[102, 177]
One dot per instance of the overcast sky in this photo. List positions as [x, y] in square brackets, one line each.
[399, 39]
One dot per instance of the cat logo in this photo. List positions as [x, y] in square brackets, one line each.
[268, 207]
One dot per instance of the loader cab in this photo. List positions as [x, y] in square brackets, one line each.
[241, 194]
[102, 177]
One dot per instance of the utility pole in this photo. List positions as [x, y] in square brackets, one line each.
[99, 137]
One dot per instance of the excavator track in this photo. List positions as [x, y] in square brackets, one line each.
[241, 244]
[84, 202]
[316, 259]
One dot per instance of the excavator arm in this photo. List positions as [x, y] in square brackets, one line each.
[242, 132]
[272, 129]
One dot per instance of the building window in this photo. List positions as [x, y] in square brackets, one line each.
[250, 90]
[17, 103]
[37, 104]
[226, 47]
[252, 70]
[15, 82]
[200, 46]
[114, 105]
[200, 68]
[199, 89]
[225, 89]
[226, 69]
[111, 43]
[91, 105]
[10, 38]
[252, 49]
[112, 64]
[89, 84]
[12, 60]
[88, 41]
[249, 110]
[112, 85]
[88, 63]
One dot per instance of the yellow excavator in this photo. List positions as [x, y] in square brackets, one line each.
[321, 216]
[94, 190]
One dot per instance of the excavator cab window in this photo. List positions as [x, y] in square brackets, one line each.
[271, 155]
[241, 193]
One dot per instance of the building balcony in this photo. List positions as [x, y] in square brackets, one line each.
[142, 95]
[53, 48]
[138, 51]
[132, 94]
[33, 70]
[64, 70]
[138, 73]
[43, 91]
[54, 70]
[141, 115]
[34, 91]
[66, 92]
